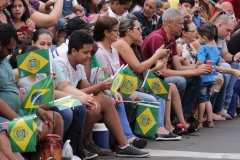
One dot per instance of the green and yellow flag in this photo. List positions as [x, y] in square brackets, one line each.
[155, 85]
[33, 62]
[40, 94]
[146, 119]
[117, 81]
[130, 82]
[23, 133]
[66, 103]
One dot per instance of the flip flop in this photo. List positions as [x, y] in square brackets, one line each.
[179, 131]
[192, 128]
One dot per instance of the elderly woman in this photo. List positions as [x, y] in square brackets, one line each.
[130, 33]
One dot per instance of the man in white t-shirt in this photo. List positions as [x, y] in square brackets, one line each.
[118, 8]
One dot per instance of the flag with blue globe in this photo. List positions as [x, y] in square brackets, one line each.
[40, 94]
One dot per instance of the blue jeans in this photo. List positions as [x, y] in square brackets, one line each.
[231, 83]
[153, 98]
[217, 99]
[124, 121]
[188, 89]
[67, 115]
[234, 102]
[205, 92]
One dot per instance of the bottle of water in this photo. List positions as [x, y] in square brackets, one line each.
[215, 87]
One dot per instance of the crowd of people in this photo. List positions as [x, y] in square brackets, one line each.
[87, 34]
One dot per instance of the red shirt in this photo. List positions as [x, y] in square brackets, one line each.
[155, 40]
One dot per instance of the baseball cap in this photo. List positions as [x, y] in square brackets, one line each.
[76, 23]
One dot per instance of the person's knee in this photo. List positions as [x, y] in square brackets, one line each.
[226, 65]
[58, 119]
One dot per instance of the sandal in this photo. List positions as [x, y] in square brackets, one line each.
[200, 124]
[208, 124]
[192, 128]
[217, 117]
[179, 131]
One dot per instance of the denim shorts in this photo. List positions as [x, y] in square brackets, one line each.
[205, 92]
[2, 129]
[60, 24]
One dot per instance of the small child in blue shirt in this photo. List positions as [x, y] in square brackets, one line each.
[208, 51]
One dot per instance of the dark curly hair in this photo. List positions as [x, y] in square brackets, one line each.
[78, 39]
[7, 32]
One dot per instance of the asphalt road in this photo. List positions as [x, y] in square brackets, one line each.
[220, 142]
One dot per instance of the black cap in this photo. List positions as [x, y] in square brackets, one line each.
[76, 23]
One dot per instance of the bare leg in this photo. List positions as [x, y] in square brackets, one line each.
[209, 110]
[167, 118]
[112, 121]
[177, 106]
[6, 149]
[201, 110]
[58, 124]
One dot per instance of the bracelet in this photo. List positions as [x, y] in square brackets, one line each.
[233, 58]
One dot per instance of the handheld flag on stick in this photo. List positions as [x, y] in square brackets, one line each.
[130, 82]
[40, 94]
[23, 133]
[155, 85]
[117, 81]
[33, 62]
[66, 103]
[146, 119]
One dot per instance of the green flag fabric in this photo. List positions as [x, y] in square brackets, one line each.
[155, 85]
[40, 94]
[146, 119]
[117, 81]
[130, 82]
[66, 103]
[23, 133]
[33, 62]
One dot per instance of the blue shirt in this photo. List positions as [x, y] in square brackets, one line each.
[197, 21]
[209, 53]
[149, 25]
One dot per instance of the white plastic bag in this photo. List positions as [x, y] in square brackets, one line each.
[67, 151]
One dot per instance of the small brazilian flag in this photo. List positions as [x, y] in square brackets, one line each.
[23, 133]
[146, 119]
[117, 81]
[33, 62]
[130, 82]
[66, 103]
[40, 94]
[155, 85]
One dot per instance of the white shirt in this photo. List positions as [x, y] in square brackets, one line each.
[71, 75]
[111, 14]
[61, 50]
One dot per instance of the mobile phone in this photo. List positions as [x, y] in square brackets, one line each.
[169, 45]
[23, 29]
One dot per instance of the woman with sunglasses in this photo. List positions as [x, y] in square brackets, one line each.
[130, 36]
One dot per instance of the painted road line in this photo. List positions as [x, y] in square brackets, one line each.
[190, 154]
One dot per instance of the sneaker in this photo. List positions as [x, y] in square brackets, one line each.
[93, 147]
[167, 137]
[89, 155]
[131, 151]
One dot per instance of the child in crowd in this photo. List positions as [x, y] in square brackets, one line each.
[207, 52]
[68, 5]
[197, 18]
[165, 5]
[103, 7]
[20, 15]
[186, 6]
